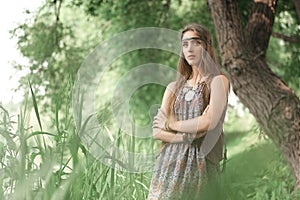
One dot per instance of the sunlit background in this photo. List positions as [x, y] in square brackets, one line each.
[12, 13]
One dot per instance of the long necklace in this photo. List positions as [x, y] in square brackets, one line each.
[190, 93]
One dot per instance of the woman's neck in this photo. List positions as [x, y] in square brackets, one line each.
[195, 78]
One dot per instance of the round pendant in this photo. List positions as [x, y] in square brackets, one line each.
[189, 95]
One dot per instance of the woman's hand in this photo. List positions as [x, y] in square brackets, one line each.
[160, 131]
[160, 120]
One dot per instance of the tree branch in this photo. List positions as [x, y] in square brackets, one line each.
[228, 27]
[57, 8]
[259, 27]
[297, 6]
[293, 39]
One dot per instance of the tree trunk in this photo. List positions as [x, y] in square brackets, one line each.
[274, 105]
[297, 7]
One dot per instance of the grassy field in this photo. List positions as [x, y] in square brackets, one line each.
[257, 172]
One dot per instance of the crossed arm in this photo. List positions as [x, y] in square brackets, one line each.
[165, 128]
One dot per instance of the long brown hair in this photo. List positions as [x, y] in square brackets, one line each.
[209, 64]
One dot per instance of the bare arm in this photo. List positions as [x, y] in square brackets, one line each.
[169, 137]
[159, 120]
[210, 119]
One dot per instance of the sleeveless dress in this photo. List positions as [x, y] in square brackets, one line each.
[181, 169]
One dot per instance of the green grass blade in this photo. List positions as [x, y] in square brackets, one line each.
[57, 106]
[40, 133]
[9, 138]
[36, 110]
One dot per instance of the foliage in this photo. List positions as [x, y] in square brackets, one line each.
[54, 46]
[45, 164]
[255, 168]
[37, 164]
[283, 56]
[258, 173]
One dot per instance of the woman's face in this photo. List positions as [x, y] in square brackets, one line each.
[192, 48]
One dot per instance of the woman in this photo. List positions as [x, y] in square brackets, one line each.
[190, 130]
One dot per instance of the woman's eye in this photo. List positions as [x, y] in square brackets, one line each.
[196, 43]
[184, 44]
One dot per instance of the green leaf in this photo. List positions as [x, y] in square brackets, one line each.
[36, 110]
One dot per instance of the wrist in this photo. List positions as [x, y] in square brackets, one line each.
[171, 125]
[167, 125]
[187, 137]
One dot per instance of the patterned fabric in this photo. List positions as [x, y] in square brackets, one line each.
[180, 169]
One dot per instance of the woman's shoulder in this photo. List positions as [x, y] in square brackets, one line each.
[170, 89]
[171, 85]
[220, 77]
[220, 80]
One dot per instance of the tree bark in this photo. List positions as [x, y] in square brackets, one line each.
[274, 105]
[293, 39]
[297, 7]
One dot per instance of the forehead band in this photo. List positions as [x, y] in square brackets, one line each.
[197, 38]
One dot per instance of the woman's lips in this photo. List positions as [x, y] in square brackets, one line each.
[191, 57]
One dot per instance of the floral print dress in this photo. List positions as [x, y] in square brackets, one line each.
[180, 168]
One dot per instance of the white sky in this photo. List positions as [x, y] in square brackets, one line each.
[12, 13]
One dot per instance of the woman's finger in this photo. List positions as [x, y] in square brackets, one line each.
[156, 126]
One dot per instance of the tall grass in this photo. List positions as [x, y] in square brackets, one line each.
[39, 164]
[36, 164]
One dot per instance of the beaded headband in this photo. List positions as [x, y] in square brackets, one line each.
[202, 38]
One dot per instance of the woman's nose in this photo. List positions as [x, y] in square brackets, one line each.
[190, 47]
